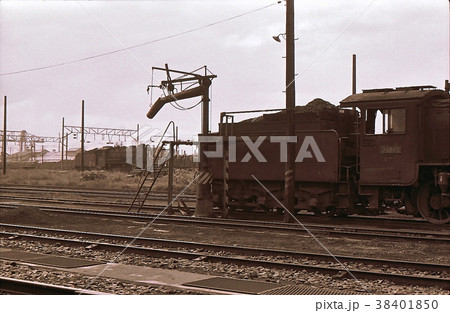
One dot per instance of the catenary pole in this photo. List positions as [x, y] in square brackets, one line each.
[4, 137]
[82, 135]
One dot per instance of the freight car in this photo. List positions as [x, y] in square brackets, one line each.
[382, 148]
[103, 158]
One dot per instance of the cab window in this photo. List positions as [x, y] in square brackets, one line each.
[385, 121]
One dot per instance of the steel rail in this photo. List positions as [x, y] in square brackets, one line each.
[31, 196]
[127, 195]
[89, 192]
[119, 205]
[167, 243]
[26, 287]
[203, 257]
[254, 225]
[73, 201]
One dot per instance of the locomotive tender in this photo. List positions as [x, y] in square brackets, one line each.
[382, 148]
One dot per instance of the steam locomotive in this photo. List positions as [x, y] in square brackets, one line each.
[382, 148]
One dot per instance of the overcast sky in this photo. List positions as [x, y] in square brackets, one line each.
[397, 43]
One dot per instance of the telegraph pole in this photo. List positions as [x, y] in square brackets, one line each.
[289, 175]
[4, 137]
[82, 135]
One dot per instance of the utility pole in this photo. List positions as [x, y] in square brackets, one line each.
[289, 175]
[4, 137]
[82, 135]
[62, 144]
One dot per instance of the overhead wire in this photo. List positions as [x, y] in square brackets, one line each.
[113, 36]
[141, 44]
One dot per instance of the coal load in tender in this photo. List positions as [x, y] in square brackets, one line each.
[314, 109]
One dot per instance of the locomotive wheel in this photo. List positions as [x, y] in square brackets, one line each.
[430, 206]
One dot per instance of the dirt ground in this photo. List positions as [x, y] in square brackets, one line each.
[116, 180]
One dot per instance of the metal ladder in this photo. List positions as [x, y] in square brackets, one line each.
[142, 180]
[146, 173]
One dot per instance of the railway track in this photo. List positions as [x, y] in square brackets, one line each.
[318, 229]
[125, 200]
[122, 199]
[78, 190]
[25, 287]
[249, 257]
[157, 207]
[78, 202]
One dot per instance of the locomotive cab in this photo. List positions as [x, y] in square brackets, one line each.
[403, 150]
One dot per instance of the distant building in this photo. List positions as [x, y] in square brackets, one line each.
[42, 156]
